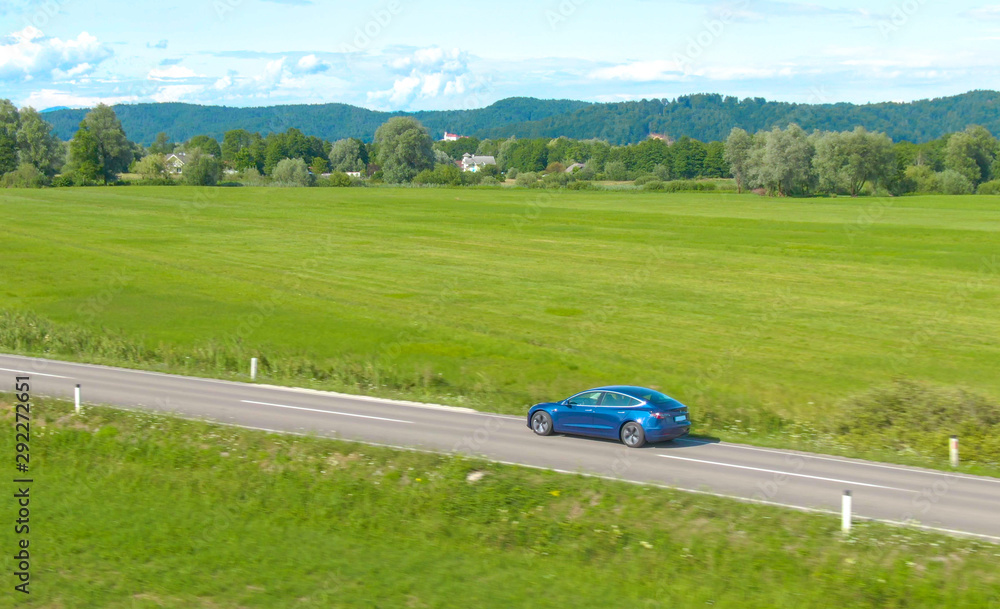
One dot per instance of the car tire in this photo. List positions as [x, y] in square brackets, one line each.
[633, 435]
[541, 423]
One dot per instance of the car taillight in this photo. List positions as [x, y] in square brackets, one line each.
[657, 415]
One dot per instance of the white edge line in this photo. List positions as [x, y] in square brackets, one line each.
[334, 412]
[806, 455]
[800, 508]
[775, 471]
[30, 373]
[333, 394]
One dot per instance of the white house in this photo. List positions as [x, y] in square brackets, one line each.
[473, 163]
[451, 137]
[176, 162]
[353, 174]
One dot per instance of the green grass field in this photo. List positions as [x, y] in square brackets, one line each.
[131, 510]
[501, 297]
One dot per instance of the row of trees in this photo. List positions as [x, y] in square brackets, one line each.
[786, 161]
[792, 162]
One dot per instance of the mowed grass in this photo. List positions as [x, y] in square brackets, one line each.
[500, 298]
[132, 510]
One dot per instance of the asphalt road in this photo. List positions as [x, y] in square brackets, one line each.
[954, 503]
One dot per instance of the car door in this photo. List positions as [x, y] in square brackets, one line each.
[576, 415]
[613, 410]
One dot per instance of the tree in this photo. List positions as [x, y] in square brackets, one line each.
[737, 153]
[347, 155]
[35, 143]
[846, 160]
[152, 167]
[162, 145]
[972, 153]
[238, 144]
[292, 172]
[404, 149]
[208, 145]
[100, 146]
[320, 165]
[10, 122]
[781, 161]
[201, 169]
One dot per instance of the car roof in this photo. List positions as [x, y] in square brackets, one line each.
[631, 390]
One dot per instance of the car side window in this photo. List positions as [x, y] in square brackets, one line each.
[618, 399]
[588, 398]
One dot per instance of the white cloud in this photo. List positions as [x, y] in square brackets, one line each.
[173, 93]
[172, 73]
[29, 54]
[990, 11]
[310, 64]
[425, 74]
[642, 71]
[49, 98]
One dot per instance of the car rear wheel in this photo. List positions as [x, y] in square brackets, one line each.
[541, 423]
[633, 435]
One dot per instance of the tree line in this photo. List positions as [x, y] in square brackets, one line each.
[780, 161]
[791, 161]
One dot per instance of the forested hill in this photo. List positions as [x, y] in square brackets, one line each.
[704, 117]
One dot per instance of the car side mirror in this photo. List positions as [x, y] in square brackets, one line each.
[570, 403]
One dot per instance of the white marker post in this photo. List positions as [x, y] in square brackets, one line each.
[76, 398]
[253, 368]
[845, 513]
[953, 450]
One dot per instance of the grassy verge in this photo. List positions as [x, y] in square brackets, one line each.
[136, 510]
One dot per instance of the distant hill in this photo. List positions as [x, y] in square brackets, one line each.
[703, 116]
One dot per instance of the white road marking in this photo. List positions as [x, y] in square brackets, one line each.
[774, 471]
[343, 414]
[789, 453]
[35, 373]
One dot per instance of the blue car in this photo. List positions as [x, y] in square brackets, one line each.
[634, 415]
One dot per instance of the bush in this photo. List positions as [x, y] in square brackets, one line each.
[919, 417]
[615, 171]
[489, 181]
[512, 173]
[920, 179]
[446, 174]
[555, 180]
[580, 185]
[64, 180]
[25, 176]
[527, 178]
[201, 169]
[989, 188]
[954, 183]
[339, 179]
[654, 185]
[688, 185]
[251, 177]
[644, 179]
[292, 173]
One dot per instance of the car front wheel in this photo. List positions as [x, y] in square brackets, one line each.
[633, 435]
[541, 423]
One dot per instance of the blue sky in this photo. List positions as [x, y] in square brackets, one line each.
[419, 54]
